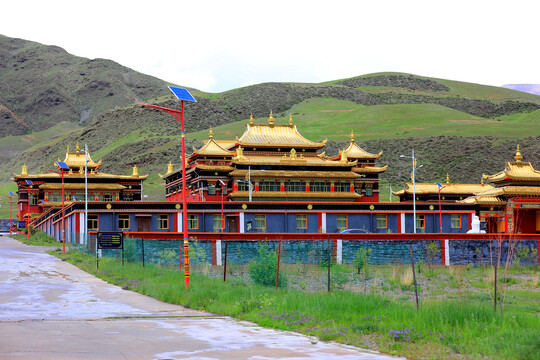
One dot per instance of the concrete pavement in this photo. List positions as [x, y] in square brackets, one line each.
[50, 309]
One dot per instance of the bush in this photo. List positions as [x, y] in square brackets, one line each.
[263, 269]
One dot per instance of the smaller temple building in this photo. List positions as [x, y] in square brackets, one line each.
[513, 206]
[38, 193]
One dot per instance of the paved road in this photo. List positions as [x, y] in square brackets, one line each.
[50, 309]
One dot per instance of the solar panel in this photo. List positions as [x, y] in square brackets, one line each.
[439, 185]
[182, 94]
[62, 165]
[29, 182]
[12, 194]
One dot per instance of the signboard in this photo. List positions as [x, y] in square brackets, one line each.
[110, 240]
[21, 224]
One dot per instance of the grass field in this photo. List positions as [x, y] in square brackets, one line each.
[455, 319]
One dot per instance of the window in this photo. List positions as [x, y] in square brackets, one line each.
[342, 221]
[33, 199]
[420, 221]
[320, 186]
[55, 198]
[77, 197]
[269, 185]
[107, 197]
[217, 222]
[193, 221]
[243, 185]
[301, 221]
[342, 186]
[211, 189]
[295, 185]
[162, 221]
[260, 221]
[92, 222]
[455, 220]
[382, 221]
[368, 190]
[128, 197]
[123, 221]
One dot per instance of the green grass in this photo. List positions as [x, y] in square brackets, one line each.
[440, 329]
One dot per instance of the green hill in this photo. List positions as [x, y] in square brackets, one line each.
[455, 127]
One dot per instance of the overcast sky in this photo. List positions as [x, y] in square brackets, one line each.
[220, 45]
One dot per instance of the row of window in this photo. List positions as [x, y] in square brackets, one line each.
[259, 221]
[300, 186]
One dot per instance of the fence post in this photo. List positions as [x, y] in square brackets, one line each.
[142, 245]
[278, 257]
[414, 277]
[329, 260]
[225, 264]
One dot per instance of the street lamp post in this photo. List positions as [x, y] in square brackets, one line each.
[181, 94]
[223, 189]
[440, 211]
[413, 185]
[10, 209]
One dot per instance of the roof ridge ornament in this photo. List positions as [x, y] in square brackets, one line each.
[251, 119]
[352, 136]
[290, 120]
[24, 170]
[447, 178]
[135, 171]
[271, 118]
[77, 149]
[518, 156]
[170, 167]
[211, 133]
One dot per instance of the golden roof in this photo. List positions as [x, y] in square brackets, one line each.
[448, 189]
[286, 159]
[272, 135]
[80, 175]
[214, 167]
[512, 190]
[77, 159]
[483, 200]
[517, 171]
[356, 152]
[212, 148]
[81, 186]
[370, 169]
[295, 174]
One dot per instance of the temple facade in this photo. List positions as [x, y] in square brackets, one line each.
[513, 205]
[38, 193]
[271, 162]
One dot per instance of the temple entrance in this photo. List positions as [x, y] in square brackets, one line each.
[232, 222]
[143, 224]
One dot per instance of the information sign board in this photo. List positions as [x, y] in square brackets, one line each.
[110, 240]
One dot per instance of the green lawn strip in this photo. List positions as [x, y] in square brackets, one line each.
[449, 329]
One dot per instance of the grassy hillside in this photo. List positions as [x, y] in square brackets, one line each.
[52, 100]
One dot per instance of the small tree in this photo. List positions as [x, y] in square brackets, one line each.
[264, 268]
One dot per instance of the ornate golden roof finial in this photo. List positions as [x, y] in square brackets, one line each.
[68, 148]
[290, 120]
[293, 154]
[251, 119]
[186, 161]
[24, 170]
[343, 154]
[447, 178]
[135, 171]
[77, 148]
[352, 136]
[170, 167]
[271, 118]
[239, 153]
[518, 156]
[211, 133]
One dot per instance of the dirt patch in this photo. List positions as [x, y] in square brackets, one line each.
[338, 110]
[416, 128]
[465, 121]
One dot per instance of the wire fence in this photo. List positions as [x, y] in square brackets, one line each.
[330, 265]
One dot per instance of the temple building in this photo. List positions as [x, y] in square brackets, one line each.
[447, 191]
[38, 193]
[513, 206]
[271, 162]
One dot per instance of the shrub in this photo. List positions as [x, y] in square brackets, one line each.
[263, 269]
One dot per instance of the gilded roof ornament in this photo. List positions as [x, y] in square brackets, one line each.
[447, 178]
[518, 156]
[211, 134]
[24, 170]
[170, 167]
[135, 171]
[290, 120]
[77, 149]
[251, 119]
[343, 154]
[271, 118]
[293, 154]
[239, 153]
[352, 136]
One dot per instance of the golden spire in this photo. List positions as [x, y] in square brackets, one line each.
[170, 167]
[343, 154]
[447, 178]
[24, 170]
[518, 156]
[251, 119]
[211, 134]
[77, 148]
[135, 171]
[271, 118]
[290, 120]
[68, 148]
[352, 136]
